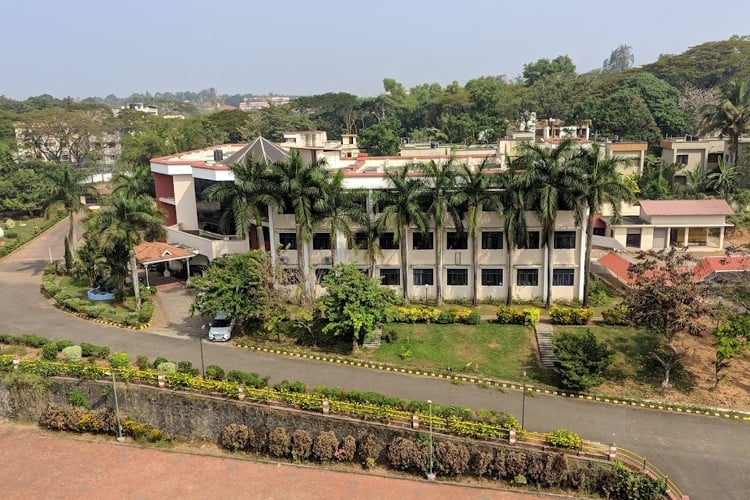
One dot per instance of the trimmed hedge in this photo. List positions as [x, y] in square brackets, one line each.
[512, 316]
[560, 315]
[428, 314]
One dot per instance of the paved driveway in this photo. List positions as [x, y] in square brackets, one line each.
[708, 457]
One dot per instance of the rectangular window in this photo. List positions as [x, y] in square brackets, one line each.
[458, 277]
[714, 157]
[388, 241]
[322, 241]
[391, 277]
[290, 276]
[492, 277]
[565, 239]
[633, 238]
[488, 207]
[288, 241]
[563, 277]
[533, 242]
[424, 277]
[321, 273]
[527, 277]
[492, 240]
[423, 241]
[682, 159]
[456, 241]
[358, 241]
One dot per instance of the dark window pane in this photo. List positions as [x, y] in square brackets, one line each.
[533, 241]
[423, 241]
[563, 277]
[321, 273]
[492, 240]
[633, 238]
[492, 277]
[390, 277]
[527, 277]
[458, 277]
[565, 239]
[424, 277]
[388, 241]
[288, 241]
[322, 241]
[457, 241]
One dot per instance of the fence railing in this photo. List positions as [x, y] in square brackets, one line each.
[638, 462]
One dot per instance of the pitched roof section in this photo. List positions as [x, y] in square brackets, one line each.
[617, 265]
[709, 265]
[261, 149]
[149, 252]
[685, 207]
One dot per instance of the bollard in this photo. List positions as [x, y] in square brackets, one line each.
[326, 407]
[612, 451]
[241, 392]
[512, 436]
[15, 363]
[415, 421]
[160, 379]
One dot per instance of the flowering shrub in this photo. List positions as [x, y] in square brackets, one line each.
[617, 315]
[562, 438]
[427, 314]
[512, 316]
[560, 315]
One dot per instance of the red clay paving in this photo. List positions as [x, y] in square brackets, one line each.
[41, 464]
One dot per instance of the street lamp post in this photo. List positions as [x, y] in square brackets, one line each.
[430, 474]
[120, 438]
[523, 404]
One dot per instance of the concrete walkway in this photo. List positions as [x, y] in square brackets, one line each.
[707, 457]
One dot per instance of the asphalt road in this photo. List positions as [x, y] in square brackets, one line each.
[708, 458]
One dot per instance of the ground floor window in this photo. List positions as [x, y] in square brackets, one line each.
[390, 277]
[492, 277]
[458, 277]
[321, 273]
[563, 277]
[288, 241]
[527, 277]
[633, 238]
[424, 277]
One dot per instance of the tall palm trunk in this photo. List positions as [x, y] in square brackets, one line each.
[301, 264]
[509, 296]
[259, 232]
[438, 266]
[134, 277]
[550, 246]
[474, 267]
[334, 247]
[587, 258]
[404, 263]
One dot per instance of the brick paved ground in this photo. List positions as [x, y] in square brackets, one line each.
[40, 464]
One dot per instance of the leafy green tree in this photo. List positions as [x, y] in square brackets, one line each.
[403, 208]
[724, 179]
[661, 99]
[619, 60]
[665, 300]
[475, 191]
[512, 208]
[380, 139]
[133, 181]
[731, 116]
[245, 198]
[123, 223]
[240, 285]
[354, 304]
[552, 179]
[340, 208]
[625, 114]
[602, 183]
[581, 359]
[732, 339]
[657, 180]
[67, 188]
[441, 202]
[561, 65]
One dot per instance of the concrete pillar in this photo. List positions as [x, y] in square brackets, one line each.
[326, 407]
[271, 235]
[241, 392]
[512, 436]
[160, 380]
[15, 363]
[612, 451]
[721, 237]
[685, 239]
[415, 421]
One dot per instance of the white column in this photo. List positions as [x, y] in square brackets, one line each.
[685, 239]
[272, 235]
[546, 270]
[582, 259]
[721, 238]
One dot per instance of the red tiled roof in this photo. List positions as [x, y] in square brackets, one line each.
[157, 251]
[709, 265]
[617, 265]
[685, 207]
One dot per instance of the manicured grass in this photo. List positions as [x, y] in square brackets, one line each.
[114, 310]
[25, 230]
[498, 351]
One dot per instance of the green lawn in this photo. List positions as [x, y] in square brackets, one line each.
[498, 351]
[25, 230]
[111, 310]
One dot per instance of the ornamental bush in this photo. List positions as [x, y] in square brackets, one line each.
[347, 449]
[62, 344]
[248, 379]
[302, 444]
[119, 360]
[77, 398]
[187, 367]
[616, 316]
[368, 448]
[325, 446]
[49, 351]
[258, 439]
[451, 459]
[235, 437]
[480, 463]
[141, 362]
[72, 354]
[560, 315]
[89, 350]
[512, 316]
[215, 372]
[167, 367]
[279, 442]
[562, 438]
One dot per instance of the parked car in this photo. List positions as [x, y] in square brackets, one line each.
[221, 327]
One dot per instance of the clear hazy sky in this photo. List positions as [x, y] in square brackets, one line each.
[97, 47]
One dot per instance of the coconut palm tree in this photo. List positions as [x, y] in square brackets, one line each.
[371, 244]
[552, 180]
[603, 184]
[724, 179]
[134, 181]
[475, 190]
[122, 224]
[340, 208]
[512, 207]
[731, 116]
[403, 208]
[442, 202]
[68, 188]
[245, 197]
[299, 185]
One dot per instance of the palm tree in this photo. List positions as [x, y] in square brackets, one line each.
[475, 190]
[724, 179]
[371, 244]
[135, 181]
[402, 207]
[440, 193]
[122, 224]
[299, 185]
[731, 116]
[603, 184]
[552, 180]
[512, 208]
[341, 208]
[245, 197]
[68, 187]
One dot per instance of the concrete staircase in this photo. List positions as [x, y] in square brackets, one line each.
[544, 332]
[373, 340]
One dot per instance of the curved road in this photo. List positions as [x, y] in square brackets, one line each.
[707, 457]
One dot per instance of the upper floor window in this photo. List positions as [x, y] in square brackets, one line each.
[423, 241]
[388, 241]
[492, 240]
[565, 239]
[533, 241]
[456, 241]
[391, 277]
[288, 241]
[322, 241]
